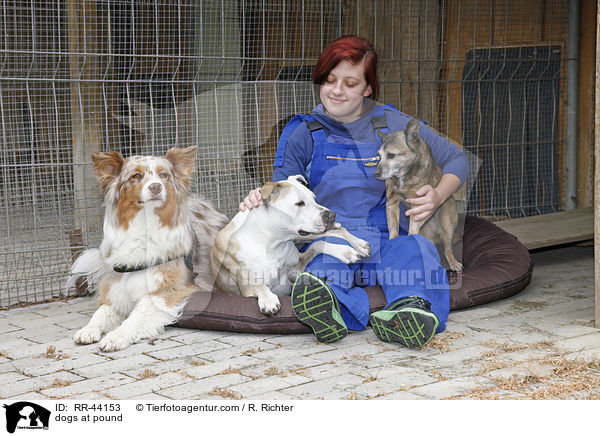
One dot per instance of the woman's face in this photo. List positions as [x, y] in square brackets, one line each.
[343, 90]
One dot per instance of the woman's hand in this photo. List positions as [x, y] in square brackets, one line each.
[425, 205]
[430, 198]
[252, 200]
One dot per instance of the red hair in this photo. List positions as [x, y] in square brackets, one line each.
[353, 49]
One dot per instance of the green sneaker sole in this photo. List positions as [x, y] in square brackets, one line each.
[410, 327]
[314, 304]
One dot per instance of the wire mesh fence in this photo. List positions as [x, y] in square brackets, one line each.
[224, 75]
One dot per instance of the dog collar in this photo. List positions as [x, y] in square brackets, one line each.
[188, 258]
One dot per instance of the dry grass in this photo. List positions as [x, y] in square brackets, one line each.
[58, 383]
[370, 378]
[231, 370]
[443, 341]
[569, 378]
[3, 354]
[51, 353]
[147, 374]
[252, 351]
[195, 362]
[353, 396]
[272, 371]
[225, 393]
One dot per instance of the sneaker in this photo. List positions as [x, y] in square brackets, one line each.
[408, 321]
[315, 304]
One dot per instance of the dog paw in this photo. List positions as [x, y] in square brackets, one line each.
[363, 249]
[269, 304]
[114, 342]
[87, 335]
[455, 266]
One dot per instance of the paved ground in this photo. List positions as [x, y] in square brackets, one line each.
[538, 344]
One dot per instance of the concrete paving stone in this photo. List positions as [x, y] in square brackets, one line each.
[29, 396]
[14, 346]
[470, 314]
[453, 387]
[580, 316]
[522, 370]
[146, 386]
[89, 385]
[110, 366]
[329, 370]
[144, 346]
[385, 385]
[399, 395]
[10, 377]
[339, 387]
[587, 354]
[163, 366]
[52, 309]
[151, 397]
[271, 396]
[6, 327]
[354, 352]
[254, 350]
[580, 343]
[187, 350]
[27, 348]
[23, 386]
[457, 357]
[240, 364]
[260, 386]
[74, 321]
[190, 336]
[282, 365]
[244, 339]
[38, 366]
[531, 336]
[22, 316]
[399, 377]
[89, 396]
[51, 333]
[202, 389]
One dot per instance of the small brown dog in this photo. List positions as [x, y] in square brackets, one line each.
[406, 164]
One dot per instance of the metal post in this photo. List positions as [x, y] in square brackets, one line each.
[572, 104]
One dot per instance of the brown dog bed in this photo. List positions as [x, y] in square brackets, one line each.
[496, 266]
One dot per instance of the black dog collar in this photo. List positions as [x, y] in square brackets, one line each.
[188, 258]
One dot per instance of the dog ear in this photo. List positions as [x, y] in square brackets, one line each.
[107, 167]
[270, 191]
[411, 131]
[302, 180]
[183, 161]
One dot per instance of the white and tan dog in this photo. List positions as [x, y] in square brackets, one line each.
[155, 234]
[255, 255]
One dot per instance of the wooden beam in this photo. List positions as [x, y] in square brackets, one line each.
[597, 178]
[552, 229]
[86, 110]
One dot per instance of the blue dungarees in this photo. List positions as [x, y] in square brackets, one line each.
[341, 177]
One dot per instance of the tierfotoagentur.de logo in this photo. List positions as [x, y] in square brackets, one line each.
[26, 415]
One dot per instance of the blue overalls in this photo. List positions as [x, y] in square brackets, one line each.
[341, 175]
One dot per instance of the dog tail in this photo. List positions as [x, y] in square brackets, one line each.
[88, 265]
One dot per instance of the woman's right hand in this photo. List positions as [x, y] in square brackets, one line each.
[252, 200]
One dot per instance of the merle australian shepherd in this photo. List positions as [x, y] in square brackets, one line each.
[155, 249]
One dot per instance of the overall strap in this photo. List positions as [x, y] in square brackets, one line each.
[287, 131]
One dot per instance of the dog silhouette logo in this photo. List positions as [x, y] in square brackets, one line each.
[26, 415]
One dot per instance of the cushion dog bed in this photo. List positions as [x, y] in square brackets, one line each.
[495, 266]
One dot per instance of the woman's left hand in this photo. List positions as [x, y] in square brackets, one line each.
[425, 205]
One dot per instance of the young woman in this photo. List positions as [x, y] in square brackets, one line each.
[335, 149]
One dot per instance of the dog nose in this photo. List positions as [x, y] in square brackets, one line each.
[155, 188]
[328, 218]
